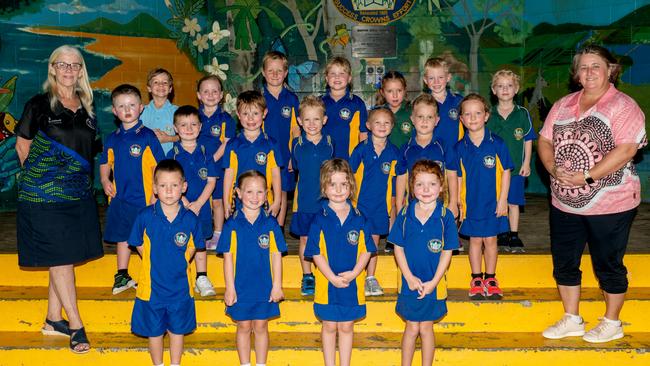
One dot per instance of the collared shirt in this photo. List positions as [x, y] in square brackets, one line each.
[58, 167]
[449, 129]
[346, 119]
[515, 131]
[581, 141]
[132, 155]
[252, 246]
[403, 129]
[423, 244]
[306, 160]
[481, 168]
[166, 276]
[412, 152]
[160, 118]
[281, 119]
[375, 176]
[340, 245]
[262, 155]
[216, 128]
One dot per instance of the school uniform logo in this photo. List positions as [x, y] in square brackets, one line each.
[434, 245]
[385, 167]
[260, 158]
[353, 237]
[264, 241]
[180, 239]
[405, 127]
[345, 114]
[489, 161]
[519, 133]
[286, 112]
[453, 114]
[135, 150]
[215, 130]
[203, 173]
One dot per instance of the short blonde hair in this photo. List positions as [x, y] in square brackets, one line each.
[82, 88]
[373, 112]
[273, 56]
[251, 98]
[338, 61]
[432, 63]
[505, 73]
[311, 101]
[332, 166]
[426, 99]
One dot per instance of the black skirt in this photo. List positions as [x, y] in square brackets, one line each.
[55, 234]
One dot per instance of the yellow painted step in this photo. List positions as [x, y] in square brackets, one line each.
[380, 349]
[513, 271]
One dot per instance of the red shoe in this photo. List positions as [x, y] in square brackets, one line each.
[476, 289]
[492, 290]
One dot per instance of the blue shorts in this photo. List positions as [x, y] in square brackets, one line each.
[217, 194]
[206, 228]
[516, 193]
[120, 217]
[300, 223]
[154, 319]
[288, 180]
[483, 228]
[253, 310]
[339, 313]
[378, 223]
[423, 310]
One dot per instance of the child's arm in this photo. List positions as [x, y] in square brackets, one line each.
[219, 153]
[413, 282]
[204, 197]
[443, 264]
[363, 136]
[325, 269]
[349, 276]
[452, 183]
[276, 266]
[525, 166]
[502, 204]
[227, 191]
[230, 297]
[400, 191]
[276, 184]
[104, 173]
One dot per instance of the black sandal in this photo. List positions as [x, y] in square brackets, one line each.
[59, 328]
[77, 337]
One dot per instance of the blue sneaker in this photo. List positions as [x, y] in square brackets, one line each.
[308, 285]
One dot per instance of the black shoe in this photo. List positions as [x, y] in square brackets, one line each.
[516, 245]
[503, 242]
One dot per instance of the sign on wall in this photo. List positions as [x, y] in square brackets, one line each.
[369, 41]
[374, 11]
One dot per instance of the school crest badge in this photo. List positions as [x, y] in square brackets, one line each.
[489, 161]
[353, 237]
[519, 133]
[434, 245]
[215, 130]
[385, 167]
[405, 127]
[180, 239]
[345, 114]
[203, 173]
[260, 158]
[264, 241]
[453, 114]
[286, 112]
[135, 150]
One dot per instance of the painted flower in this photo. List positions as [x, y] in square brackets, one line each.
[191, 26]
[217, 34]
[230, 103]
[216, 69]
[201, 42]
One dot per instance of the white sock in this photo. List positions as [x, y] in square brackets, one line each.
[245, 364]
[162, 364]
[174, 364]
[369, 277]
[574, 318]
[617, 322]
[260, 364]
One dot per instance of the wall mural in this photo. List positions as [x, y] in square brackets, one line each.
[123, 39]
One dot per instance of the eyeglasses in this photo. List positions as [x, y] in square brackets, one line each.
[60, 65]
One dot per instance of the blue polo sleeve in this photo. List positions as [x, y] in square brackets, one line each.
[452, 160]
[530, 134]
[450, 231]
[396, 234]
[197, 233]
[156, 147]
[109, 144]
[370, 244]
[231, 126]
[223, 246]
[280, 242]
[356, 158]
[210, 163]
[137, 231]
[402, 165]
[293, 154]
[363, 117]
[279, 157]
[225, 160]
[313, 239]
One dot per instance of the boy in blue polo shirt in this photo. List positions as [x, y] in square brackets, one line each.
[158, 114]
[281, 123]
[166, 235]
[436, 78]
[481, 164]
[373, 164]
[345, 111]
[200, 170]
[130, 154]
[252, 149]
[308, 153]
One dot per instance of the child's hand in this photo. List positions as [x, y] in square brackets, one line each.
[414, 284]
[348, 275]
[427, 288]
[340, 282]
[109, 190]
[276, 294]
[274, 209]
[226, 211]
[194, 207]
[454, 210]
[502, 207]
[290, 167]
[525, 170]
[230, 297]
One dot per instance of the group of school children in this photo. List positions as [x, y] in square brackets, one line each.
[411, 171]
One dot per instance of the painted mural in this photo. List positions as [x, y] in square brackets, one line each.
[123, 39]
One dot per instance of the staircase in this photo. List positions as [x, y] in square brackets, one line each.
[506, 332]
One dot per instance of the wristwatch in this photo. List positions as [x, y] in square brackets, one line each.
[588, 178]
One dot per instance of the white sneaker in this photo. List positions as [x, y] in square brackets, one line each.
[372, 287]
[605, 331]
[565, 327]
[211, 244]
[204, 286]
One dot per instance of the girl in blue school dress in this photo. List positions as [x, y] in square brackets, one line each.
[340, 245]
[252, 245]
[424, 235]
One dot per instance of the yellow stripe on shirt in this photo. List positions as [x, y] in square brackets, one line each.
[358, 178]
[389, 189]
[499, 175]
[463, 192]
[361, 278]
[143, 292]
[322, 284]
[270, 164]
[191, 272]
[354, 132]
[148, 165]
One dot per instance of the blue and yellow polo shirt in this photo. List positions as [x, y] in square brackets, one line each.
[423, 244]
[375, 177]
[216, 128]
[449, 129]
[281, 118]
[346, 118]
[132, 155]
[252, 246]
[341, 245]
[166, 275]
[481, 168]
[412, 152]
[262, 155]
[306, 160]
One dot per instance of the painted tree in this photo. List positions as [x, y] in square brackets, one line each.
[477, 16]
[308, 30]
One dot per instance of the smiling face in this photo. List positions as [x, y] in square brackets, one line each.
[169, 187]
[160, 86]
[393, 91]
[337, 190]
[252, 193]
[274, 72]
[593, 72]
[380, 123]
[505, 88]
[426, 187]
[338, 78]
[127, 108]
[187, 127]
[473, 115]
[251, 117]
[312, 120]
[425, 118]
[210, 93]
[436, 79]
[63, 69]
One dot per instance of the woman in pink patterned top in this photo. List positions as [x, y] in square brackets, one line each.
[587, 145]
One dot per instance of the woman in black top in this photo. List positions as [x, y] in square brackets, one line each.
[57, 220]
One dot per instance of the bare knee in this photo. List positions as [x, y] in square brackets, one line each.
[412, 328]
[345, 327]
[245, 326]
[329, 327]
[260, 326]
